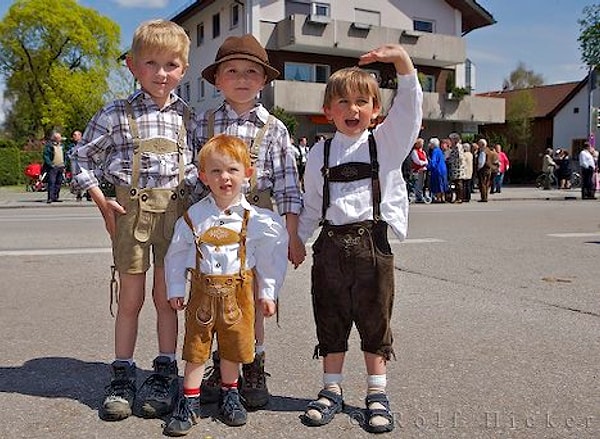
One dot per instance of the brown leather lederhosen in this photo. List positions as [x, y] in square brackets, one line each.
[151, 212]
[353, 269]
[262, 197]
[221, 304]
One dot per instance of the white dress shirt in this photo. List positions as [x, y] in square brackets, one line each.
[352, 201]
[266, 247]
[586, 159]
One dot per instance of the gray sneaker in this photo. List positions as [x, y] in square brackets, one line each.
[254, 389]
[231, 410]
[120, 393]
[162, 389]
[183, 419]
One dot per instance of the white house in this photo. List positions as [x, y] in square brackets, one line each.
[308, 40]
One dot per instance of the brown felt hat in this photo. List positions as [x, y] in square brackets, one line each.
[244, 47]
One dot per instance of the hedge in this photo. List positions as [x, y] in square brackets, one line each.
[13, 162]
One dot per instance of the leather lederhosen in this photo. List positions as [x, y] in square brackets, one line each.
[221, 304]
[352, 274]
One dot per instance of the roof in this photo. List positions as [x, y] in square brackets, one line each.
[549, 99]
[474, 15]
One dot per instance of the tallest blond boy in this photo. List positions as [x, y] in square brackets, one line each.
[140, 144]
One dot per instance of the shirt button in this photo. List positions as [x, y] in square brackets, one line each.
[218, 265]
[221, 222]
[163, 162]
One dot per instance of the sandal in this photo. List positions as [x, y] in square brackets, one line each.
[327, 412]
[386, 413]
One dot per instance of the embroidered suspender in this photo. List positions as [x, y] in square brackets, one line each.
[351, 172]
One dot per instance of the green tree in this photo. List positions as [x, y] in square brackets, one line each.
[519, 116]
[589, 39]
[55, 58]
[522, 77]
[288, 119]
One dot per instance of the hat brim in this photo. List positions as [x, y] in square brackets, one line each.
[209, 72]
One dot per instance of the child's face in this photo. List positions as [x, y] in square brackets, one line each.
[225, 177]
[158, 73]
[240, 81]
[352, 114]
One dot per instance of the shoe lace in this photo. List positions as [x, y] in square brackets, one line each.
[212, 376]
[183, 411]
[255, 376]
[158, 384]
[231, 403]
[120, 388]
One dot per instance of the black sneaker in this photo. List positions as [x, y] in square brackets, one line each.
[120, 393]
[184, 417]
[211, 384]
[231, 410]
[163, 388]
[254, 383]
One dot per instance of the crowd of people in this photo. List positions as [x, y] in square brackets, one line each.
[450, 170]
[219, 194]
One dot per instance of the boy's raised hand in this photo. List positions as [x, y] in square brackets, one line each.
[389, 53]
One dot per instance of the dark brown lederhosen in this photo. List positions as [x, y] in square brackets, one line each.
[221, 304]
[151, 213]
[353, 270]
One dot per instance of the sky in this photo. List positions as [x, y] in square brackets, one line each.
[540, 33]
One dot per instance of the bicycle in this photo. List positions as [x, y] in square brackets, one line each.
[541, 182]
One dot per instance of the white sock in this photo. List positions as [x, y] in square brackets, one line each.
[126, 360]
[376, 383]
[259, 349]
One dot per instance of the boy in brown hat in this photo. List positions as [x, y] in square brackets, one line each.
[240, 71]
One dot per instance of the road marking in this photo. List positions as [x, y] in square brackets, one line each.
[56, 251]
[45, 218]
[574, 235]
[397, 241]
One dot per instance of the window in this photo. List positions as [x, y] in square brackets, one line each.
[423, 26]
[199, 34]
[186, 92]
[428, 83]
[216, 22]
[306, 72]
[234, 18]
[367, 18]
[201, 89]
[320, 9]
[576, 110]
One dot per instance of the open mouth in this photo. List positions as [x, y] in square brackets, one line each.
[352, 123]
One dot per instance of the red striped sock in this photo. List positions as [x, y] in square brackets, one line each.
[191, 392]
[229, 386]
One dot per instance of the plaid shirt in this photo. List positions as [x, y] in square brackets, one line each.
[275, 167]
[106, 148]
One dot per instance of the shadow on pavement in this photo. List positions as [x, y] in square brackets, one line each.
[57, 377]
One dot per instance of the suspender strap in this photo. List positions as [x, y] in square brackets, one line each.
[255, 146]
[325, 174]
[352, 172]
[210, 123]
[242, 247]
[135, 133]
[188, 220]
[375, 184]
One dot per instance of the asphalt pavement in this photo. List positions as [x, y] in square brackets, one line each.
[11, 197]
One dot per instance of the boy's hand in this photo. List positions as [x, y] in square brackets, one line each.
[110, 216]
[268, 307]
[296, 251]
[389, 53]
[177, 303]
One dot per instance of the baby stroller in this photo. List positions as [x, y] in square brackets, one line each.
[36, 177]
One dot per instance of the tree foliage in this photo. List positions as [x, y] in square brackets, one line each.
[522, 77]
[520, 110]
[589, 39]
[288, 119]
[55, 57]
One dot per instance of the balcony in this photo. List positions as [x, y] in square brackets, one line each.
[307, 98]
[298, 33]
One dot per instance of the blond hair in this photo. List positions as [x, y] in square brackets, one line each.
[161, 35]
[225, 144]
[351, 80]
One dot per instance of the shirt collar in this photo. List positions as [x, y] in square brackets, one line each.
[147, 100]
[239, 205]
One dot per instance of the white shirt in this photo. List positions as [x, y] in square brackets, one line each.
[586, 159]
[352, 201]
[266, 247]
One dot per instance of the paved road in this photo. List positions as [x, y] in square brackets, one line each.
[497, 329]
